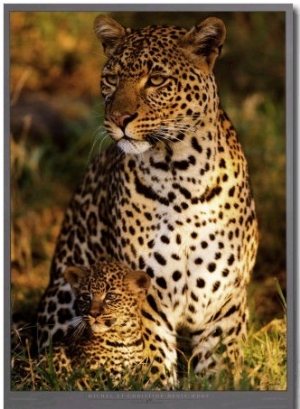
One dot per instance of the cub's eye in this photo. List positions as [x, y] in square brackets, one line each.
[85, 297]
[110, 296]
[156, 80]
[111, 79]
[83, 303]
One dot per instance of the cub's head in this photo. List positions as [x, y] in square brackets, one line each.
[108, 295]
[158, 82]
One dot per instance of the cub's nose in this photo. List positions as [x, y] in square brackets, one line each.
[96, 309]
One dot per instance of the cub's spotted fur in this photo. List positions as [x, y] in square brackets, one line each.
[171, 196]
[107, 328]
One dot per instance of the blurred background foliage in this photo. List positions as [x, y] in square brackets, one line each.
[56, 113]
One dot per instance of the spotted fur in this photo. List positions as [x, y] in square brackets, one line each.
[171, 196]
[105, 336]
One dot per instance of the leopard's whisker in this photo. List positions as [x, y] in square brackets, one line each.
[76, 321]
[76, 331]
[98, 135]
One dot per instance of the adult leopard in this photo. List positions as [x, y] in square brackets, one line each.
[171, 196]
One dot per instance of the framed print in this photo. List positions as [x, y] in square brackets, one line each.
[149, 206]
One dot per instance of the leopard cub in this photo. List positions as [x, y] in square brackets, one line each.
[105, 335]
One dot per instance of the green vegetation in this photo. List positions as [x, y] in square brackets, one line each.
[56, 129]
[265, 369]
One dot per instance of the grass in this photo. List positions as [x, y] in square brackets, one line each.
[264, 369]
[265, 366]
[41, 376]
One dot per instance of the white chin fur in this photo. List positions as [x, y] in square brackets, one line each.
[98, 329]
[133, 147]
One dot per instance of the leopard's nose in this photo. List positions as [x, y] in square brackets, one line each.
[121, 119]
[96, 309]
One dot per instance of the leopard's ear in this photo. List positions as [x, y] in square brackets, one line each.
[110, 33]
[74, 276]
[138, 281]
[204, 42]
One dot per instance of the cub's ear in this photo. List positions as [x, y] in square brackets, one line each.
[110, 33]
[204, 41]
[74, 276]
[138, 281]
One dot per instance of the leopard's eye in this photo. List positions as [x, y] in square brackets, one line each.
[156, 80]
[110, 296]
[83, 303]
[111, 79]
[85, 297]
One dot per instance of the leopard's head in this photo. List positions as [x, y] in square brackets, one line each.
[157, 83]
[108, 296]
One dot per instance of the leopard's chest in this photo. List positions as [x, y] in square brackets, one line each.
[168, 225]
[182, 230]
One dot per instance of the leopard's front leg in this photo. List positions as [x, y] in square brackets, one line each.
[219, 347]
[160, 353]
